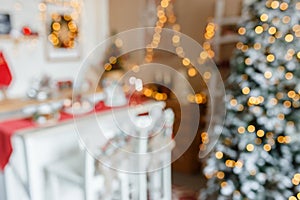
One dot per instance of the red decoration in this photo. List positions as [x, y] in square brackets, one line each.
[26, 30]
[5, 75]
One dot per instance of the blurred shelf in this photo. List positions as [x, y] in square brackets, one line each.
[20, 38]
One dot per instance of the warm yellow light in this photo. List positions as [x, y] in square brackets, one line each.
[42, 7]
[200, 98]
[298, 55]
[224, 184]
[207, 75]
[281, 139]
[278, 34]
[289, 38]
[233, 102]
[220, 175]
[159, 96]
[239, 164]
[148, 92]
[192, 72]
[248, 61]
[191, 98]
[179, 51]
[252, 172]
[284, 6]
[268, 74]
[298, 195]
[251, 128]
[252, 101]
[164, 3]
[163, 19]
[291, 94]
[274, 4]
[258, 141]
[160, 13]
[245, 48]
[280, 116]
[56, 26]
[176, 27]
[260, 133]
[287, 139]
[271, 39]
[107, 66]
[219, 155]
[295, 182]
[176, 39]
[291, 52]
[286, 19]
[273, 101]
[246, 90]
[298, 5]
[296, 28]
[257, 46]
[259, 29]
[186, 62]
[172, 19]
[272, 30]
[241, 130]
[289, 75]
[287, 104]
[297, 177]
[113, 60]
[250, 147]
[264, 17]
[292, 198]
[267, 147]
[230, 163]
[203, 55]
[239, 45]
[270, 58]
[119, 42]
[242, 31]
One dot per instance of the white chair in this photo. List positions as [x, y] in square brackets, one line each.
[78, 169]
[99, 181]
[153, 171]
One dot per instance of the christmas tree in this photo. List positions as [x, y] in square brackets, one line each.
[258, 154]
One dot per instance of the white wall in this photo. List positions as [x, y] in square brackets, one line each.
[27, 58]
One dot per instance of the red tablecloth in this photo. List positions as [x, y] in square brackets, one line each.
[8, 128]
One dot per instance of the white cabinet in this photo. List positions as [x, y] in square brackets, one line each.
[34, 149]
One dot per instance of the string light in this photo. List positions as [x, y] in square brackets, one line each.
[246, 90]
[286, 19]
[264, 17]
[257, 46]
[289, 76]
[251, 128]
[270, 58]
[260, 133]
[219, 155]
[241, 130]
[241, 30]
[268, 74]
[250, 147]
[259, 29]
[274, 4]
[289, 38]
[267, 147]
[284, 6]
